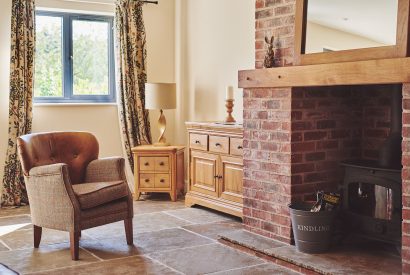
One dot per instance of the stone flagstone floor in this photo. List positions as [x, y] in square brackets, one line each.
[168, 239]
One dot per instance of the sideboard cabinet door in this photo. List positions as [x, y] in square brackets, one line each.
[204, 173]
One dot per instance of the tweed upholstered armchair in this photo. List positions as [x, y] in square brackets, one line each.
[70, 189]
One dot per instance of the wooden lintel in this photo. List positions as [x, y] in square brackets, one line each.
[382, 71]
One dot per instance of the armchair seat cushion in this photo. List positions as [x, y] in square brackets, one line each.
[95, 194]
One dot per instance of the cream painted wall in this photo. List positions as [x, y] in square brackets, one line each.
[319, 36]
[76, 6]
[216, 40]
[160, 27]
[102, 120]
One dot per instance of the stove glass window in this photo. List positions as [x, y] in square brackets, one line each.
[371, 200]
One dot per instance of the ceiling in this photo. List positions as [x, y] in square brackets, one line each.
[373, 19]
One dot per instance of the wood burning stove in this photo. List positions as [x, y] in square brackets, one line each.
[372, 190]
[372, 200]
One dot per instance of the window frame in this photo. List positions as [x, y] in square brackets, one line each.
[67, 60]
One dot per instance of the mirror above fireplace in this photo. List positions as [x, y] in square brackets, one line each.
[350, 30]
[343, 25]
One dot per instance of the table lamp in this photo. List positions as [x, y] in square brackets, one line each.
[160, 96]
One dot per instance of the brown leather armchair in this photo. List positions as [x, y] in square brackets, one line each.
[69, 188]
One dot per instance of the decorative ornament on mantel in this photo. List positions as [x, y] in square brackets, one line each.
[229, 105]
[269, 61]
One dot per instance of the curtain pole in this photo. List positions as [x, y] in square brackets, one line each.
[151, 2]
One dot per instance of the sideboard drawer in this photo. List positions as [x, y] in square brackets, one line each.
[198, 141]
[147, 163]
[219, 144]
[236, 147]
[147, 180]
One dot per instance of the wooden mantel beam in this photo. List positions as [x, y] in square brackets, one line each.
[382, 71]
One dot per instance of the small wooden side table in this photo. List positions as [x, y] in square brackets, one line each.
[159, 169]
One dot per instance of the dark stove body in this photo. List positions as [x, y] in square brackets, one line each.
[372, 201]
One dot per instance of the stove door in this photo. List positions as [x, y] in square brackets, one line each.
[372, 203]
[370, 200]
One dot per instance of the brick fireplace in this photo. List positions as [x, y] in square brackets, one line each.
[295, 140]
[296, 137]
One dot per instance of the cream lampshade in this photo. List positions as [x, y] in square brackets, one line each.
[160, 96]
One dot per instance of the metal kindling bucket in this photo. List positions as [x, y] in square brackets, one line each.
[312, 230]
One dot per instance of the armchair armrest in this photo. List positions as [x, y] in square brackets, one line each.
[106, 169]
[47, 170]
[52, 200]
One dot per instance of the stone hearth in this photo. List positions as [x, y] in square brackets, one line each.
[354, 257]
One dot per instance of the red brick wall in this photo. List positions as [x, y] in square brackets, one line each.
[326, 129]
[332, 124]
[267, 162]
[277, 18]
[267, 133]
[406, 180]
[376, 118]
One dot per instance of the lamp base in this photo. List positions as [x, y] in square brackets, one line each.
[162, 124]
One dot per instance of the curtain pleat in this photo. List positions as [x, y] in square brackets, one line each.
[131, 74]
[21, 96]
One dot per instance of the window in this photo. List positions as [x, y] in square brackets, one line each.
[74, 59]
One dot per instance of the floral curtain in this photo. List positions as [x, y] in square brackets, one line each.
[131, 74]
[21, 95]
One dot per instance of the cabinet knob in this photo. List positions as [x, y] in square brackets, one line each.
[146, 180]
[216, 176]
[197, 142]
[218, 145]
[219, 177]
[161, 163]
[240, 147]
[146, 164]
[162, 181]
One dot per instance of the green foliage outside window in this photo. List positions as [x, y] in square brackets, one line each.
[48, 76]
[90, 58]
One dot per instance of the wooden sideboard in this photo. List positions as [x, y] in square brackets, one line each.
[215, 166]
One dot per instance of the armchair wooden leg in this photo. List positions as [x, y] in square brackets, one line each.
[74, 245]
[128, 231]
[37, 235]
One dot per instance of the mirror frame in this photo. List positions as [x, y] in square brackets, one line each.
[401, 49]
